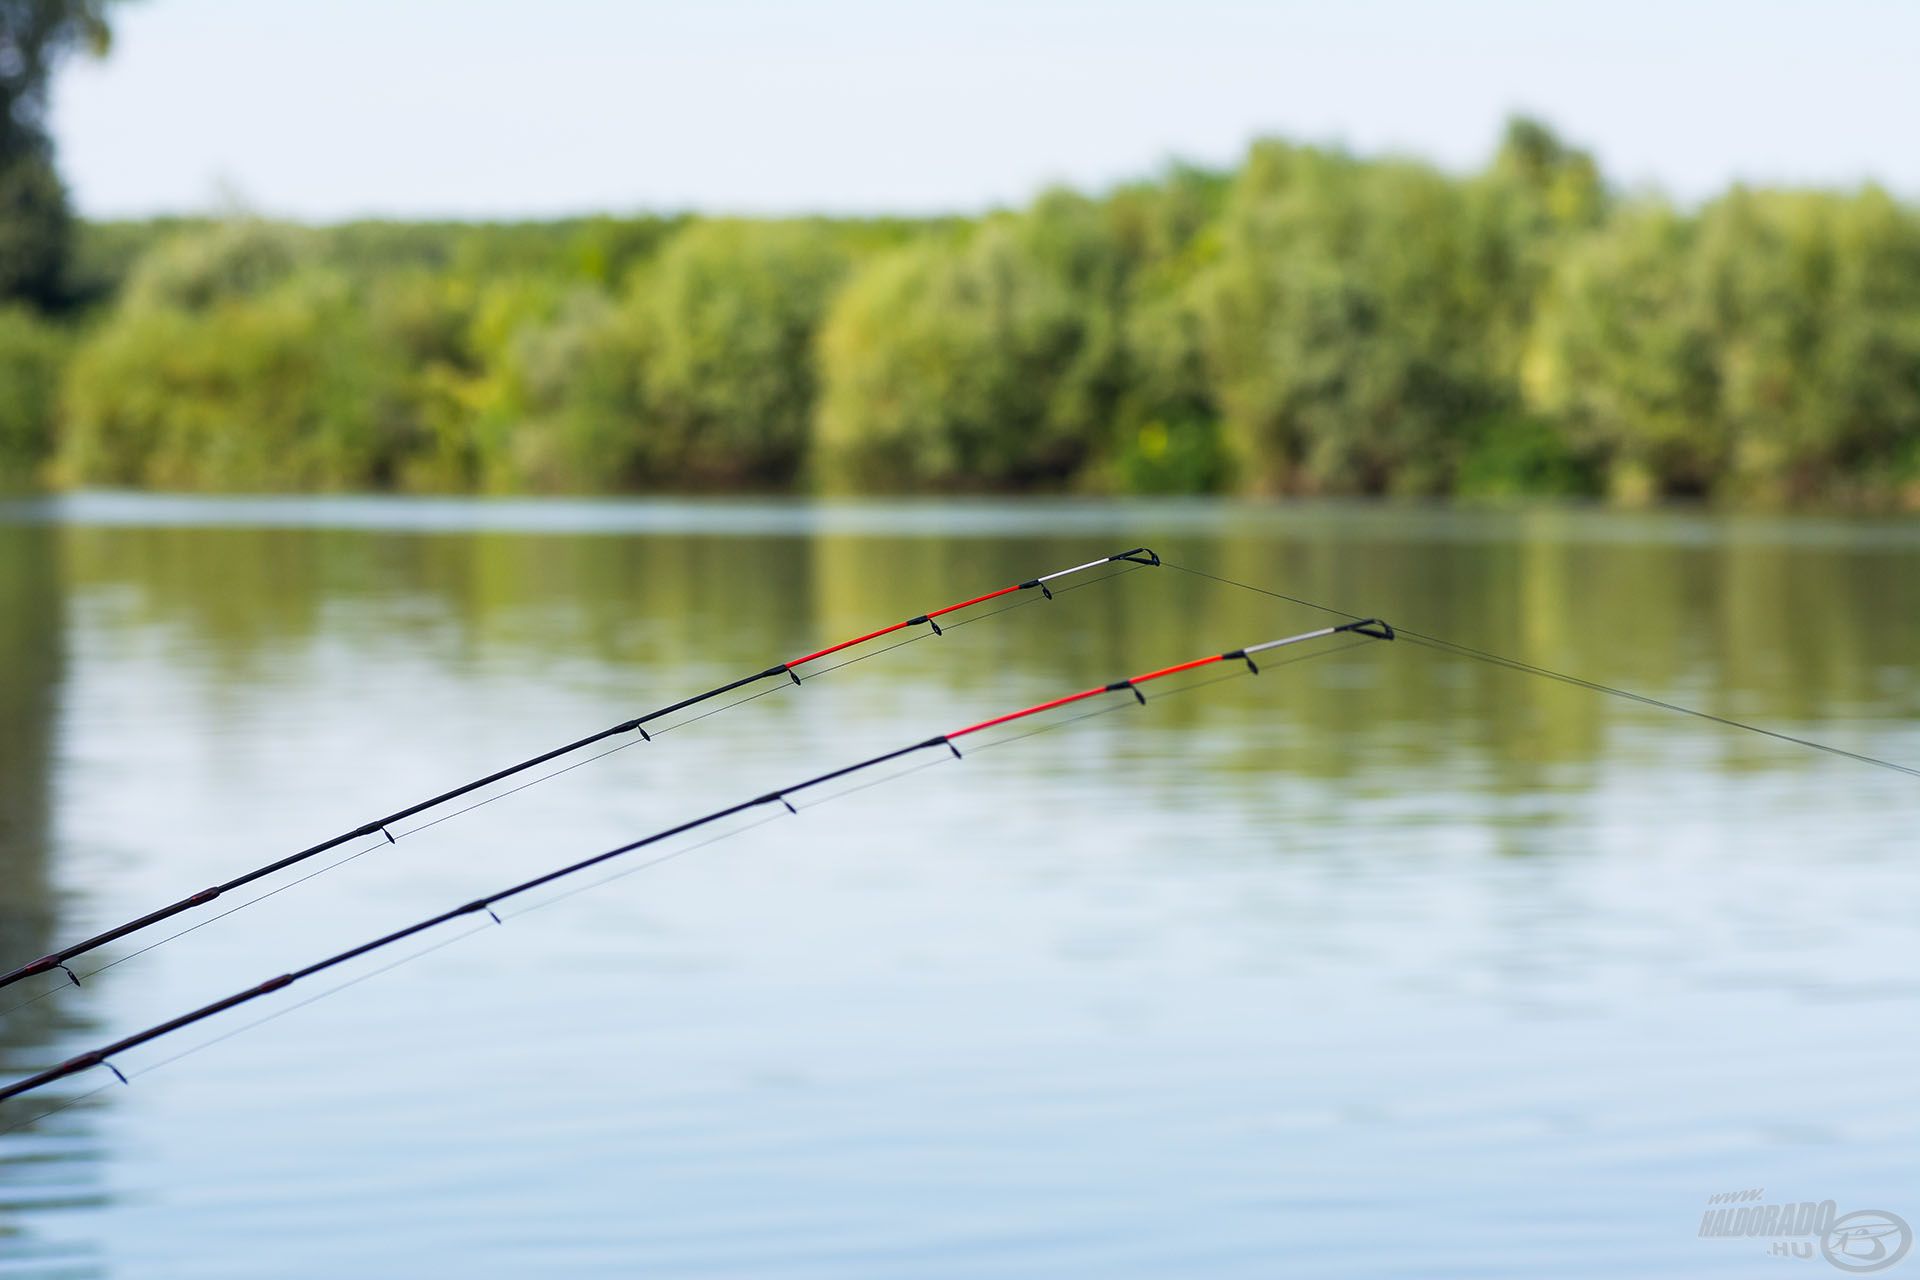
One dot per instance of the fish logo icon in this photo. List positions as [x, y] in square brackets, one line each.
[1867, 1240]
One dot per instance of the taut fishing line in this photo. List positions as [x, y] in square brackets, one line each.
[381, 830]
[1454, 647]
[1362, 629]
[649, 864]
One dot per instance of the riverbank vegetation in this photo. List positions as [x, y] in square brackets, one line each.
[1309, 322]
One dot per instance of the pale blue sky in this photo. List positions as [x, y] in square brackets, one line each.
[332, 108]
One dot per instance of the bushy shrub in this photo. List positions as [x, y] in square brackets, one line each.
[726, 317]
[1768, 347]
[1623, 355]
[1346, 323]
[1310, 322]
[232, 366]
[32, 352]
[987, 359]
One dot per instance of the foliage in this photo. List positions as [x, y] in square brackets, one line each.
[726, 318]
[1346, 323]
[991, 359]
[566, 412]
[1624, 357]
[233, 365]
[1814, 306]
[1768, 348]
[31, 355]
[1311, 322]
[35, 224]
[35, 228]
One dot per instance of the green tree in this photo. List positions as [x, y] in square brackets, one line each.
[726, 317]
[1767, 348]
[1623, 355]
[1347, 323]
[1166, 433]
[1538, 196]
[568, 410]
[1311, 322]
[1813, 301]
[35, 224]
[236, 360]
[31, 355]
[992, 358]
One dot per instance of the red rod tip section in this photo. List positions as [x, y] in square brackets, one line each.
[101, 1056]
[901, 626]
[968, 604]
[381, 825]
[845, 644]
[1115, 687]
[1035, 709]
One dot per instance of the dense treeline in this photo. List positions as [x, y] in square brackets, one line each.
[1309, 323]
[39, 283]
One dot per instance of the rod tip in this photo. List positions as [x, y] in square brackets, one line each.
[1377, 628]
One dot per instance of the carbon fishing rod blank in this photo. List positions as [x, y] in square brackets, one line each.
[1371, 628]
[379, 826]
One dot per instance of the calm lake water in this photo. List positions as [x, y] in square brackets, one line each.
[1383, 964]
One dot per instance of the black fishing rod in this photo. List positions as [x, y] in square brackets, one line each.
[379, 826]
[1372, 628]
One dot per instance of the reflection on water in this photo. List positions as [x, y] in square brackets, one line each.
[1384, 963]
[49, 1165]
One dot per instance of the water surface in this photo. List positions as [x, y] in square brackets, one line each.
[1386, 963]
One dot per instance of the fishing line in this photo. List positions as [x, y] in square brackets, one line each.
[545, 777]
[15, 1008]
[1515, 664]
[725, 706]
[831, 796]
[678, 724]
[648, 864]
[423, 952]
[315, 998]
[651, 863]
[982, 617]
[389, 967]
[103, 1055]
[478, 804]
[1132, 567]
[999, 742]
[1277, 595]
[578, 764]
[785, 672]
[80, 979]
[359, 853]
[1442, 645]
[238, 906]
[230, 1033]
[70, 1103]
[1163, 695]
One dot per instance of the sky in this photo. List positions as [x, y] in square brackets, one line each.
[329, 109]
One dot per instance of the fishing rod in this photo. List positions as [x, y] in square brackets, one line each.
[1456, 649]
[1371, 628]
[789, 670]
